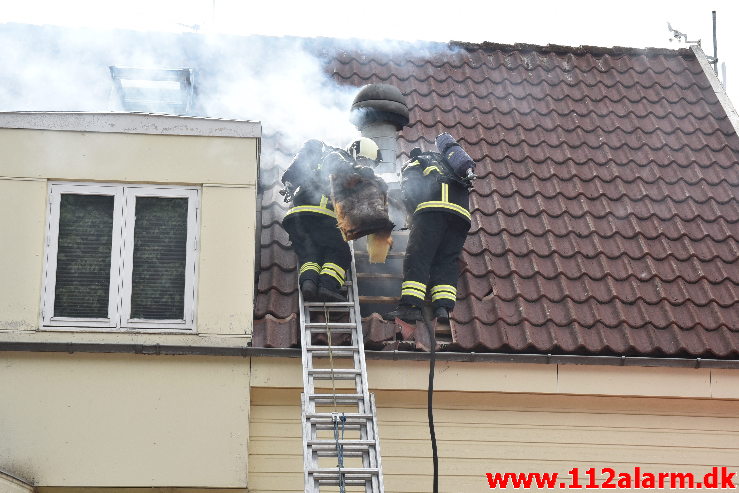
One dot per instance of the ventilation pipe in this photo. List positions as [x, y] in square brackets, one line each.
[379, 111]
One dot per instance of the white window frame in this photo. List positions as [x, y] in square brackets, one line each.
[119, 296]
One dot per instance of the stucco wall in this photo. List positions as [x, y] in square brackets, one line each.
[124, 420]
[22, 221]
[72, 155]
[225, 168]
[226, 285]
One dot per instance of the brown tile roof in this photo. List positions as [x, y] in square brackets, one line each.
[604, 221]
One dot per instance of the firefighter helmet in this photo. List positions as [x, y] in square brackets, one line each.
[364, 147]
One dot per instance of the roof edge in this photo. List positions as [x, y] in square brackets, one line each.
[578, 50]
[717, 87]
[13, 484]
[250, 351]
[129, 123]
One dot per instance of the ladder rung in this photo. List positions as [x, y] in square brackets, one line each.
[338, 374]
[372, 275]
[340, 398]
[331, 310]
[353, 473]
[330, 416]
[346, 453]
[330, 304]
[351, 423]
[346, 443]
[360, 481]
[351, 449]
[336, 351]
[379, 299]
[330, 325]
[335, 331]
[347, 482]
[335, 348]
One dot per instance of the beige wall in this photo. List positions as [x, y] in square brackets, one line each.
[226, 168]
[22, 221]
[226, 275]
[113, 420]
[501, 432]
[520, 418]
[85, 421]
[124, 420]
[639, 381]
[67, 155]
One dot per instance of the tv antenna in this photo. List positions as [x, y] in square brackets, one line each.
[677, 35]
[683, 37]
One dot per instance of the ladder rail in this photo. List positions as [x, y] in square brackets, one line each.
[358, 319]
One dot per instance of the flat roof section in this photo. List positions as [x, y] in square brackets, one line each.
[130, 123]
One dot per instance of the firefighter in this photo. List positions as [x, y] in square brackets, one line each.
[323, 255]
[438, 199]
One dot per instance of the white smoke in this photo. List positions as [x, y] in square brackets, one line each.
[276, 81]
[272, 80]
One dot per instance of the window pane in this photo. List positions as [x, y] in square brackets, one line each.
[83, 257]
[159, 252]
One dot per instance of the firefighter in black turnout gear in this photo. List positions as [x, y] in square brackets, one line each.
[437, 194]
[323, 255]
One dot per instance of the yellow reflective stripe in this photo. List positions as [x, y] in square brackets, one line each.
[443, 287]
[444, 291]
[331, 272]
[334, 274]
[430, 169]
[324, 201]
[339, 270]
[443, 296]
[310, 266]
[445, 192]
[445, 205]
[311, 208]
[413, 292]
[413, 284]
[414, 163]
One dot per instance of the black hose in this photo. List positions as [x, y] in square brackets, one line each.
[432, 431]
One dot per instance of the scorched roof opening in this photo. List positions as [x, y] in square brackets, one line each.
[154, 90]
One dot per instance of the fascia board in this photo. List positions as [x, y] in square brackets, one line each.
[717, 87]
[133, 123]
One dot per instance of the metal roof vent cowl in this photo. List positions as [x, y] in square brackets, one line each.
[379, 103]
[379, 111]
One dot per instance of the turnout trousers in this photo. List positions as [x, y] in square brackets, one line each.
[430, 266]
[323, 255]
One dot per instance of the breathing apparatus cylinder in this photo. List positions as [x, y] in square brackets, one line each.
[458, 159]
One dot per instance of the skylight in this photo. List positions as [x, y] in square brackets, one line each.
[154, 90]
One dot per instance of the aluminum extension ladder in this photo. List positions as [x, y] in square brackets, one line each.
[338, 412]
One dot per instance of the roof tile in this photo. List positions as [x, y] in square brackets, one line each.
[605, 216]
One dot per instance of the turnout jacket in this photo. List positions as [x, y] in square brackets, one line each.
[309, 175]
[428, 185]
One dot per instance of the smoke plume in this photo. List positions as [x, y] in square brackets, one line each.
[268, 79]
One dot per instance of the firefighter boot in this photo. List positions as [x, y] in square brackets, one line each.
[441, 314]
[407, 313]
[328, 296]
[310, 290]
